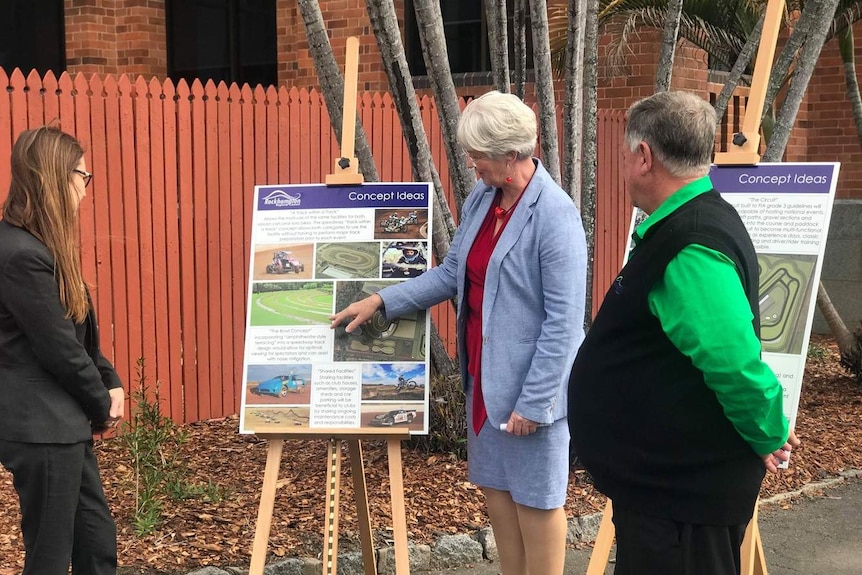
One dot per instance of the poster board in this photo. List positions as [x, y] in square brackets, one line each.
[314, 250]
[786, 209]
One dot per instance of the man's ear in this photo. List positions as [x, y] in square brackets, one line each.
[646, 152]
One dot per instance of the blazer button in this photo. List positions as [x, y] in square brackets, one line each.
[485, 339]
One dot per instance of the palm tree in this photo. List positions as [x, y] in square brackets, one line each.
[591, 148]
[519, 42]
[808, 56]
[430, 23]
[384, 22]
[332, 83]
[725, 30]
[545, 87]
[573, 109]
[668, 45]
[498, 41]
[718, 27]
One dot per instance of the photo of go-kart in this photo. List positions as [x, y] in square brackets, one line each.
[280, 385]
[283, 262]
[393, 417]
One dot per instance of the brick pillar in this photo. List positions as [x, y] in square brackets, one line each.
[90, 36]
[142, 38]
[116, 37]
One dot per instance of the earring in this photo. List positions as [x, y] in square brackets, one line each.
[508, 178]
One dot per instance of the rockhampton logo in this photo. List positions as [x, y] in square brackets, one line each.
[281, 199]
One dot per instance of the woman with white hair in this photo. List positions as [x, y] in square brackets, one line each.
[517, 267]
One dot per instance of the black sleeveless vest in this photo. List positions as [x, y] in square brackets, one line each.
[643, 422]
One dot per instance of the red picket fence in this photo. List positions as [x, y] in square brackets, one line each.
[166, 228]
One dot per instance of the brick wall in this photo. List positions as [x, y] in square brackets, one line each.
[129, 36]
[142, 38]
[116, 37]
[344, 18]
[831, 130]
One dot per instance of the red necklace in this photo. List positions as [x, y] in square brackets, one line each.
[500, 213]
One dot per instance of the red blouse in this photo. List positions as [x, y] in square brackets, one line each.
[477, 267]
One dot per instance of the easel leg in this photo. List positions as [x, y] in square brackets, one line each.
[399, 513]
[753, 562]
[604, 540]
[267, 501]
[357, 469]
[333, 489]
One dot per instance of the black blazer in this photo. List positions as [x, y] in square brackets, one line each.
[54, 379]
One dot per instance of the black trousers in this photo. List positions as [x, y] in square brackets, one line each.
[64, 515]
[649, 545]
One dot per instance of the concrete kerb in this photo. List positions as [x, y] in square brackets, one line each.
[461, 550]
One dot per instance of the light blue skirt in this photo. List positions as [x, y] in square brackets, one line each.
[534, 468]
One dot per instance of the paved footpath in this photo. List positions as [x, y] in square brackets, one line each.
[820, 534]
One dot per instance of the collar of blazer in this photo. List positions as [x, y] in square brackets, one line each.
[514, 228]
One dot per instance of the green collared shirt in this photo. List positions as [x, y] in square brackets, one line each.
[704, 311]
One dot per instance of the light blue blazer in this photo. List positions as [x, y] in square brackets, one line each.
[533, 305]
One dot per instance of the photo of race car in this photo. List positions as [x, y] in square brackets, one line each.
[284, 262]
[280, 385]
[393, 417]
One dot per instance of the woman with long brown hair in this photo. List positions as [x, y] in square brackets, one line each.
[56, 387]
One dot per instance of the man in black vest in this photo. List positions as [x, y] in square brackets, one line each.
[671, 409]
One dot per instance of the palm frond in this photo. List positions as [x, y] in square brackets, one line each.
[558, 27]
[847, 14]
[721, 44]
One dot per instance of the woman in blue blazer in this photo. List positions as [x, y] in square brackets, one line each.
[517, 266]
[56, 387]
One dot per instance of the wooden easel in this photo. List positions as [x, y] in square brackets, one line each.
[746, 151]
[393, 439]
[346, 173]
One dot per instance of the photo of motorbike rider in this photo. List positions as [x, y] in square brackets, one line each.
[404, 260]
[410, 255]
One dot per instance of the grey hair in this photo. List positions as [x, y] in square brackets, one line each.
[497, 124]
[679, 128]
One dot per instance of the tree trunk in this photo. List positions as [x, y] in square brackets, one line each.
[332, 84]
[846, 46]
[781, 67]
[588, 189]
[808, 56]
[848, 344]
[739, 67]
[519, 40]
[442, 364]
[430, 23]
[498, 41]
[545, 88]
[384, 22]
[573, 110]
[668, 45]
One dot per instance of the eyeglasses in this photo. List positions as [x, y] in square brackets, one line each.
[87, 176]
[475, 157]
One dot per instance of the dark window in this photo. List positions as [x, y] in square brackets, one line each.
[230, 40]
[31, 35]
[466, 32]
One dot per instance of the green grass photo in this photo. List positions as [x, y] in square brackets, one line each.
[291, 303]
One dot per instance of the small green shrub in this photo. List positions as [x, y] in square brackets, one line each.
[817, 352]
[153, 442]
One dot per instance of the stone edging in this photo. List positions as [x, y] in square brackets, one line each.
[460, 550]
